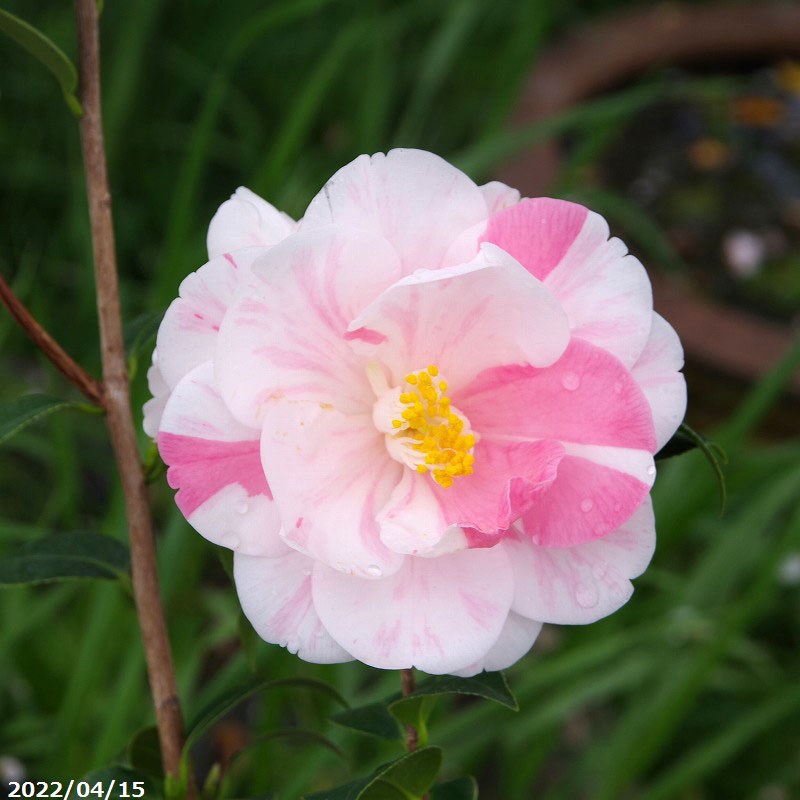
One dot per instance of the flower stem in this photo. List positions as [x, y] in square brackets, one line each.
[407, 686]
[116, 400]
[73, 371]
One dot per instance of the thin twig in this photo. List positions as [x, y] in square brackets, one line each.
[117, 400]
[407, 686]
[71, 370]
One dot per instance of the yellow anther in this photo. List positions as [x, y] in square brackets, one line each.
[432, 430]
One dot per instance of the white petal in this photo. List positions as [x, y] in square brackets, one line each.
[581, 584]
[437, 614]
[247, 220]
[275, 594]
[516, 639]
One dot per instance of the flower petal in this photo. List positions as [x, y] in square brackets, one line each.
[437, 614]
[657, 372]
[215, 464]
[587, 397]
[413, 199]
[464, 319]
[498, 196]
[516, 638]
[287, 337]
[506, 477]
[330, 474]
[275, 594]
[581, 584]
[605, 293]
[154, 407]
[190, 328]
[247, 220]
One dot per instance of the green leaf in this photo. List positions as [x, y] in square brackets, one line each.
[302, 734]
[123, 778]
[407, 778]
[373, 719]
[47, 52]
[18, 414]
[489, 685]
[415, 711]
[144, 752]
[218, 708]
[465, 788]
[65, 555]
[138, 333]
[685, 439]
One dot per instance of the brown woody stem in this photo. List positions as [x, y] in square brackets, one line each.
[116, 400]
[407, 686]
[73, 371]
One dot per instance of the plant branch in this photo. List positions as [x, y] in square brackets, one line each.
[407, 686]
[71, 370]
[117, 400]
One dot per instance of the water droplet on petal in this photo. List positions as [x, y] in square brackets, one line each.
[242, 508]
[586, 596]
[374, 571]
[570, 381]
[600, 570]
[651, 470]
[586, 505]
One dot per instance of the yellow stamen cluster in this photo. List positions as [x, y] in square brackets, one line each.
[437, 432]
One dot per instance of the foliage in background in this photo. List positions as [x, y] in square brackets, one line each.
[661, 700]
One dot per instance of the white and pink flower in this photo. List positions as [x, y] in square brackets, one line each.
[423, 417]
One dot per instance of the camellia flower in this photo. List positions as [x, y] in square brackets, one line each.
[423, 417]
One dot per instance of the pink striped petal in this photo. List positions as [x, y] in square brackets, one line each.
[276, 597]
[580, 584]
[437, 614]
[586, 501]
[657, 372]
[506, 478]
[246, 220]
[516, 638]
[188, 333]
[587, 397]
[415, 200]
[464, 319]
[605, 293]
[215, 464]
[286, 337]
[330, 474]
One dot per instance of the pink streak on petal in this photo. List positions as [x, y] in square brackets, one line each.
[229, 259]
[199, 468]
[366, 335]
[537, 232]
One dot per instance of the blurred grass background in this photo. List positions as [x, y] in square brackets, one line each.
[691, 691]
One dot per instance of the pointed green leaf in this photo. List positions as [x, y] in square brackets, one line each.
[465, 788]
[144, 752]
[407, 778]
[65, 555]
[218, 708]
[138, 333]
[685, 439]
[18, 414]
[47, 52]
[415, 711]
[489, 685]
[301, 734]
[373, 719]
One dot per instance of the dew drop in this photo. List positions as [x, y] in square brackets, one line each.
[570, 381]
[586, 505]
[374, 571]
[600, 570]
[242, 508]
[651, 470]
[586, 596]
